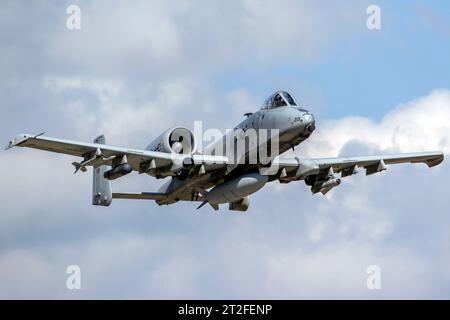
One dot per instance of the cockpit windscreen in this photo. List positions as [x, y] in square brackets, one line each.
[278, 101]
[289, 98]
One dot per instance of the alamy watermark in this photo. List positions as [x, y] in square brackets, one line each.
[73, 21]
[374, 19]
[73, 281]
[373, 281]
[238, 145]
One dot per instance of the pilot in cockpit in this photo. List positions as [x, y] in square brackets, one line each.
[278, 101]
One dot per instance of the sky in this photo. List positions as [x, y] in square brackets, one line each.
[137, 68]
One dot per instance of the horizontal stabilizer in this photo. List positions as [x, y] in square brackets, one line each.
[139, 196]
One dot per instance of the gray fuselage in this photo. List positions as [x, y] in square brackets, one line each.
[294, 125]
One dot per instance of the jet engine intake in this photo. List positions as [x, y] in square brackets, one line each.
[179, 140]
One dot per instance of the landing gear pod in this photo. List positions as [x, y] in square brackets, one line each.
[118, 171]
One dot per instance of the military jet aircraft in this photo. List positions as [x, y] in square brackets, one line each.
[212, 178]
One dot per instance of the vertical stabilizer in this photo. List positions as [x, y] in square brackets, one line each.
[101, 187]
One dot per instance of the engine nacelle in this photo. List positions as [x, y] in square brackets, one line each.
[175, 140]
[237, 188]
[240, 205]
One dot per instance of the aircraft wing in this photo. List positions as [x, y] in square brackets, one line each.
[159, 164]
[323, 170]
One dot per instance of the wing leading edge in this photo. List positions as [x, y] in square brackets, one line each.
[431, 159]
[321, 174]
[159, 164]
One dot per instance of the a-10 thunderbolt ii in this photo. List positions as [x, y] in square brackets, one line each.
[215, 178]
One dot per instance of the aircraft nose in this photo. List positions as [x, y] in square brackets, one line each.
[309, 121]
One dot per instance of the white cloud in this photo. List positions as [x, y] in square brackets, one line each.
[418, 125]
[122, 111]
[297, 246]
[131, 79]
[197, 36]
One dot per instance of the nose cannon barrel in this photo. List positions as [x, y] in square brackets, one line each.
[310, 127]
[308, 122]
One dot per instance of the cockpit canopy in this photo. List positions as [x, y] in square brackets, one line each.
[279, 99]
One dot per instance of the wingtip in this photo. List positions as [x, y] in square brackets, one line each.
[17, 140]
[436, 161]
[11, 143]
[20, 138]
